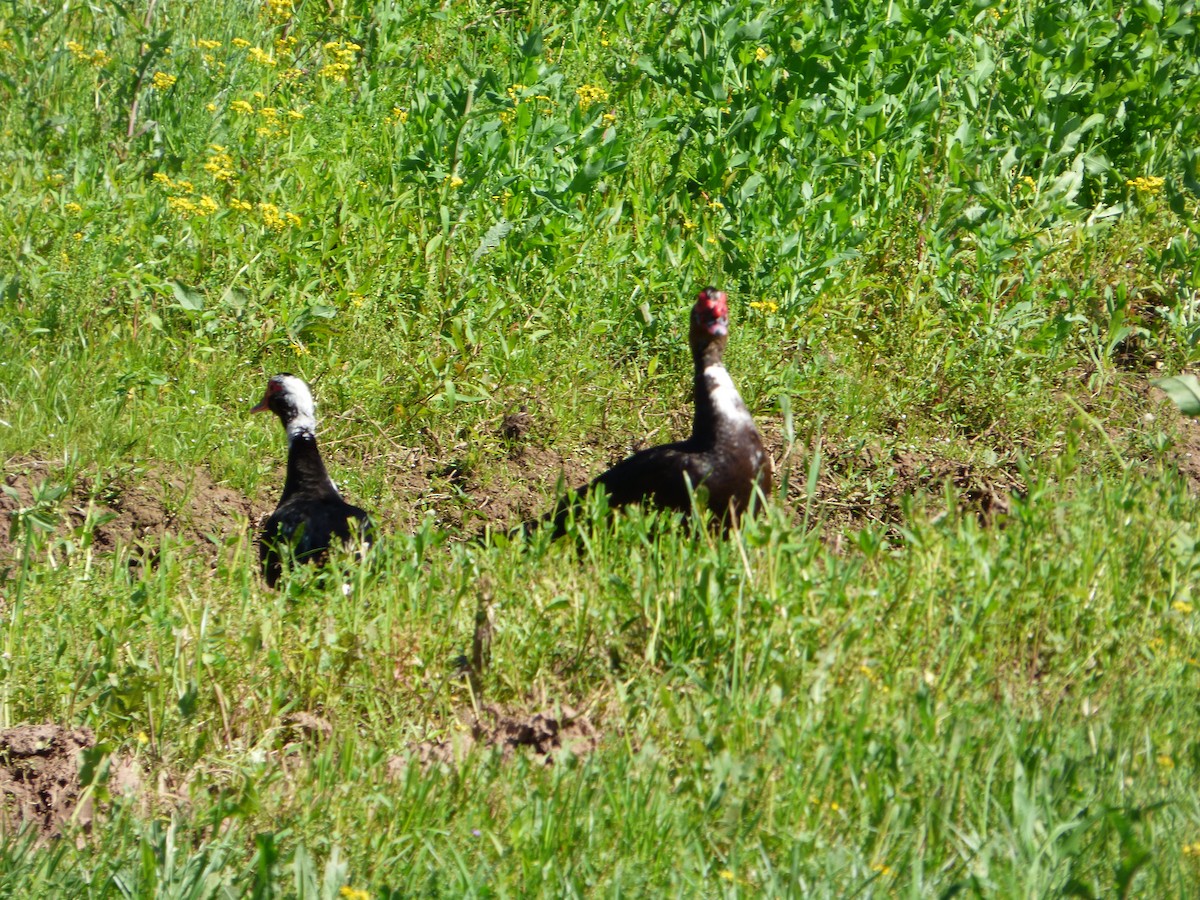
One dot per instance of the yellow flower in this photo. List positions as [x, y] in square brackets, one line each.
[1166, 761]
[242, 106]
[295, 114]
[207, 45]
[185, 186]
[163, 178]
[454, 181]
[261, 57]
[269, 113]
[589, 94]
[349, 893]
[285, 44]
[293, 219]
[73, 209]
[279, 10]
[715, 204]
[400, 114]
[207, 205]
[259, 95]
[271, 217]
[240, 42]
[770, 306]
[609, 118]
[162, 81]
[1151, 184]
[1181, 606]
[688, 225]
[761, 54]
[143, 738]
[882, 869]
[211, 107]
[181, 205]
[235, 203]
[78, 235]
[725, 875]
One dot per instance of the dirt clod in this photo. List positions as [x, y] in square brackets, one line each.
[39, 775]
[547, 735]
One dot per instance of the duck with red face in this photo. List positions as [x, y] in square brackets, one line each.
[724, 458]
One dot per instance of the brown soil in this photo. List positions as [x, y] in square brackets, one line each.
[855, 488]
[39, 776]
[546, 735]
[138, 507]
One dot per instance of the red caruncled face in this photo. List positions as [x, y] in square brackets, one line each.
[712, 311]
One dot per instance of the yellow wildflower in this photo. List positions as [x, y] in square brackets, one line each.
[609, 118]
[207, 205]
[293, 219]
[181, 205]
[73, 209]
[78, 235]
[204, 44]
[1191, 849]
[400, 114]
[291, 74]
[300, 350]
[1166, 761]
[259, 95]
[244, 206]
[211, 107]
[770, 306]
[271, 217]
[688, 225]
[242, 106]
[279, 10]
[6, 46]
[163, 178]
[185, 186]
[285, 44]
[725, 875]
[1151, 184]
[349, 893]
[715, 204]
[882, 869]
[269, 113]
[295, 114]
[589, 94]
[240, 42]
[261, 57]
[761, 54]
[454, 181]
[1181, 606]
[162, 81]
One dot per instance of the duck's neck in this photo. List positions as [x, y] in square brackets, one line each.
[306, 471]
[719, 408]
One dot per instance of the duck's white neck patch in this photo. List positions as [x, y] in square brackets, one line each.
[304, 423]
[727, 402]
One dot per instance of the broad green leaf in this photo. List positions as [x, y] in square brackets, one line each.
[1184, 391]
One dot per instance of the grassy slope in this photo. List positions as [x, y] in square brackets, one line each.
[938, 216]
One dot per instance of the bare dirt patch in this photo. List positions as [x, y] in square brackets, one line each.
[136, 507]
[869, 485]
[545, 735]
[39, 776]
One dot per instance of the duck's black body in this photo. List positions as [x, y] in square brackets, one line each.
[723, 460]
[311, 513]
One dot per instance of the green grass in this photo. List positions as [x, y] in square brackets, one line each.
[958, 240]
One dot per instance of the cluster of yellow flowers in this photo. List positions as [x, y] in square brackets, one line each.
[590, 94]
[349, 893]
[453, 180]
[262, 57]
[399, 114]
[162, 81]
[205, 44]
[98, 57]
[220, 164]
[276, 220]
[770, 306]
[182, 203]
[72, 209]
[1151, 184]
[1191, 849]
[761, 54]
[343, 55]
[285, 45]
[278, 10]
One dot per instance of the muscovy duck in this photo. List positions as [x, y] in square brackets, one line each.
[311, 512]
[724, 458]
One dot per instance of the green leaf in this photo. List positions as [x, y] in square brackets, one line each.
[187, 297]
[1184, 391]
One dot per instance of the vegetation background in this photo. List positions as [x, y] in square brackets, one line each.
[957, 655]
